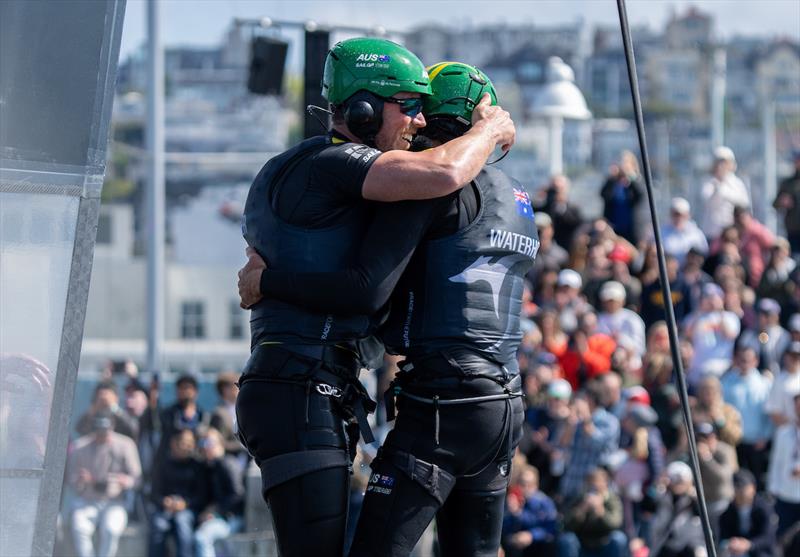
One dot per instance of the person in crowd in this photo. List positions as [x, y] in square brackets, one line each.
[223, 417]
[718, 463]
[554, 340]
[588, 353]
[178, 495]
[223, 512]
[708, 406]
[676, 530]
[184, 414]
[613, 398]
[769, 338]
[643, 464]
[776, 279]
[712, 331]
[590, 436]
[542, 430]
[721, 193]
[652, 299]
[746, 389]
[569, 303]
[622, 194]
[780, 404]
[788, 203]
[551, 254]
[530, 520]
[102, 468]
[694, 275]
[724, 250]
[682, 234]
[747, 527]
[566, 215]
[784, 482]
[755, 243]
[593, 522]
[620, 259]
[106, 401]
[623, 325]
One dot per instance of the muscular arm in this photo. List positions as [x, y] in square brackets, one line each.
[394, 234]
[402, 175]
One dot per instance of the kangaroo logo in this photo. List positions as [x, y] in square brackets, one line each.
[493, 273]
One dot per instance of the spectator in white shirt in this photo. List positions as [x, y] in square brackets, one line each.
[780, 404]
[682, 233]
[784, 478]
[625, 326]
[721, 193]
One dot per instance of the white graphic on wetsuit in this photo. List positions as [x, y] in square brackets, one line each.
[495, 274]
[380, 483]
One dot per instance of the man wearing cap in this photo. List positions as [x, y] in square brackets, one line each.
[307, 211]
[717, 464]
[788, 202]
[712, 331]
[102, 467]
[625, 326]
[681, 233]
[770, 339]
[721, 193]
[568, 300]
[747, 527]
[746, 389]
[675, 526]
[780, 404]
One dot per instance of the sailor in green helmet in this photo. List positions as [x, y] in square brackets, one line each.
[455, 317]
[307, 210]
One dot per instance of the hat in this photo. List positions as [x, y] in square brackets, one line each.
[680, 205]
[743, 478]
[612, 290]
[768, 305]
[793, 348]
[542, 220]
[619, 253]
[568, 277]
[704, 429]
[642, 415]
[712, 289]
[723, 153]
[679, 472]
[637, 394]
[559, 388]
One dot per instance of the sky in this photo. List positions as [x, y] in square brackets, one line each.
[203, 22]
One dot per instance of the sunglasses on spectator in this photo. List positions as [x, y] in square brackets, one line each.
[410, 107]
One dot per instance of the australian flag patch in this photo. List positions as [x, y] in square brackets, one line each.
[523, 202]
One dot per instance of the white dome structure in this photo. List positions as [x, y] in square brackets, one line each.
[560, 97]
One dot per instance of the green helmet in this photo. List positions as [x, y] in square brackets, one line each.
[375, 65]
[455, 90]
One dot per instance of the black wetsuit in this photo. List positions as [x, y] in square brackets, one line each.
[305, 211]
[444, 457]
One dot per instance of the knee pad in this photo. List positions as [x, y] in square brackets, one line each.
[283, 468]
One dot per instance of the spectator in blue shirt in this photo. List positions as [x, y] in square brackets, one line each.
[529, 524]
[747, 390]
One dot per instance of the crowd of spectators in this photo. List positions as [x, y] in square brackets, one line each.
[603, 466]
[178, 470]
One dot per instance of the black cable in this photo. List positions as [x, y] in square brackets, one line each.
[665, 289]
[312, 110]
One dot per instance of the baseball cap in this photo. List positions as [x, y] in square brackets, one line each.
[679, 472]
[680, 205]
[568, 277]
[743, 478]
[612, 290]
[768, 305]
[542, 219]
[637, 394]
[704, 429]
[560, 388]
[712, 289]
[723, 153]
[642, 415]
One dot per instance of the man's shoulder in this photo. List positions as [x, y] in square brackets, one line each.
[337, 153]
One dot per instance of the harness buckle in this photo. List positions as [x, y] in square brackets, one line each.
[327, 390]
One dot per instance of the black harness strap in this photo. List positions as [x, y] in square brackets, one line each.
[283, 468]
[436, 481]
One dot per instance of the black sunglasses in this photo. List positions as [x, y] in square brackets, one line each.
[410, 107]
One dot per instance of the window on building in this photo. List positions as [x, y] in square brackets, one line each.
[193, 319]
[236, 320]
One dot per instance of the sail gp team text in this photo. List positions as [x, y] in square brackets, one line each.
[515, 242]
